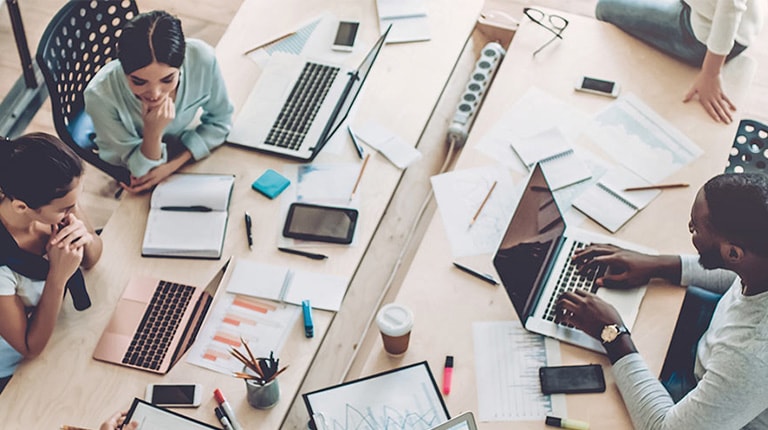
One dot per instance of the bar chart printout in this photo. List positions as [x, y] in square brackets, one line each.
[507, 361]
[264, 324]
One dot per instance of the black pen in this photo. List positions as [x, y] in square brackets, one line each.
[195, 208]
[248, 225]
[311, 255]
[357, 144]
[485, 277]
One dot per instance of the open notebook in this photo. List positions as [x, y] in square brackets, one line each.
[188, 216]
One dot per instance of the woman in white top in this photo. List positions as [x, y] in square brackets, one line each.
[44, 240]
[702, 33]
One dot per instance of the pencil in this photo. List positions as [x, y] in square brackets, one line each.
[359, 176]
[482, 205]
[656, 187]
[285, 36]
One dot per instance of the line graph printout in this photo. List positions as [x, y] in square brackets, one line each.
[264, 324]
[402, 399]
[507, 361]
[640, 139]
[460, 193]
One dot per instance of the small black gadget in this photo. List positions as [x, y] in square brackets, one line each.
[345, 36]
[597, 86]
[320, 223]
[587, 378]
[174, 395]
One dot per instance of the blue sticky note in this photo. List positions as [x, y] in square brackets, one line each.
[271, 183]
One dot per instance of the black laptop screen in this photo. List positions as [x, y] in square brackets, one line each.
[531, 238]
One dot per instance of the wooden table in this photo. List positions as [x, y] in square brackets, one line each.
[64, 385]
[446, 301]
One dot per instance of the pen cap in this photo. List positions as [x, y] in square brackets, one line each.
[394, 320]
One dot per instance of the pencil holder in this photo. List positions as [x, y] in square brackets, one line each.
[262, 396]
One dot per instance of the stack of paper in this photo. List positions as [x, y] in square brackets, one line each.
[408, 19]
[551, 149]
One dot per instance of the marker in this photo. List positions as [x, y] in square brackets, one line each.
[447, 374]
[248, 232]
[565, 423]
[195, 208]
[227, 409]
[311, 255]
[482, 276]
[222, 418]
[309, 328]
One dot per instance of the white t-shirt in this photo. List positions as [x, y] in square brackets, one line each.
[717, 23]
[29, 291]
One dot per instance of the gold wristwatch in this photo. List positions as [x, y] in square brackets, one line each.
[612, 332]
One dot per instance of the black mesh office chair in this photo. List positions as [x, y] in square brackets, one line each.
[79, 41]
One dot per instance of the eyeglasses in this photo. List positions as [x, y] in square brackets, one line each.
[556, 26]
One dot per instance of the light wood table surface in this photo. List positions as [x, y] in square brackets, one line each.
[446, 301]
[64, 385]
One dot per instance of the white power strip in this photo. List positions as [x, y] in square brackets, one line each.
[479, 82]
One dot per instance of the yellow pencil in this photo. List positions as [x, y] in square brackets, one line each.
[359, 176]
[285, 36]
[656, 187]
[482, 205]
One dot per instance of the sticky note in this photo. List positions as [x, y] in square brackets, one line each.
[271, 183]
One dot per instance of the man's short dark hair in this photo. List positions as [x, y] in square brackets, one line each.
[738, 209]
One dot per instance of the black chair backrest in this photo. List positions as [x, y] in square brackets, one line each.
[77, 43]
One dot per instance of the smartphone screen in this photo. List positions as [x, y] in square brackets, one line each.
[322, 223]
[173, 394]
[572, 379]
[598, 85]
[345, 36]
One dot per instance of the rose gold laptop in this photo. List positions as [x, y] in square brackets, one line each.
[155, 323]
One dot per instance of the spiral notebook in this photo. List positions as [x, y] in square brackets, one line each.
[608, 204]
[552, 149]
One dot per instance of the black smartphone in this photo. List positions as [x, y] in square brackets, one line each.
[587, 378]
[320, 223]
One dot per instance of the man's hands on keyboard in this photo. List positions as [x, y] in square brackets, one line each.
[626, 269]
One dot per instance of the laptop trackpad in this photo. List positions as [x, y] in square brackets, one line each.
[126, 318]
[626, 302]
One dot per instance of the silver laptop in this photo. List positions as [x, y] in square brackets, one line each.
[297, 105]
[534, 264]
[464, 421]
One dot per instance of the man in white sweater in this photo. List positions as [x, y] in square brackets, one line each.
[730, 231]
[703, 33]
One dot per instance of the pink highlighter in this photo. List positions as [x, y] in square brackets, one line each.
[447, 374]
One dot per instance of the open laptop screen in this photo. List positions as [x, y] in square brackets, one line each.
[354, 85]
[533, 235]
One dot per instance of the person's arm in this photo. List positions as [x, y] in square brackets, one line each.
[626, 268]
[117, 135]
[216, 119]
[717, 280]
[29, 334]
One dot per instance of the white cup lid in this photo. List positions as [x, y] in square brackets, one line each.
[394, 319]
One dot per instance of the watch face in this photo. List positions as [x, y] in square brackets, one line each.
[609, 334]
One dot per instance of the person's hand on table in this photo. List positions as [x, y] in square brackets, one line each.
[115, 421]
[711, 97]
[626, 269]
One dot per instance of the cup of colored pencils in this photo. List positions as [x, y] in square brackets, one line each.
[260, 375]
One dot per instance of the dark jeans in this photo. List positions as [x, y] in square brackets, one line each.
[4, 382]
[695, 315]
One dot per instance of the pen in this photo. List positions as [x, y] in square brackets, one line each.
[483, 276]
[565, 423]
[309, 328]
[222, 418]
[482, 205]
[656, 187]
[311, 255]
[248, 225]
[195, 208]
[447, 374]
[227, 409]
[358, 148]
[283, 37]
[359, 176]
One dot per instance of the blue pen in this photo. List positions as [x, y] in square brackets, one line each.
[309, 329]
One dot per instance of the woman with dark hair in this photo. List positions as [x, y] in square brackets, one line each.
[144, 103]
[44, 239]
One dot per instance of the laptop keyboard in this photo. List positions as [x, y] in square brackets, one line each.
[299, 111]
[571, 280]
[161, 319]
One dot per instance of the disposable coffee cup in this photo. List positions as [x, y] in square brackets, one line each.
[395, 322]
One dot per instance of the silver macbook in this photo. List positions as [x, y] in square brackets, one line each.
[534, 264]
[464, 421]
[297, 105]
